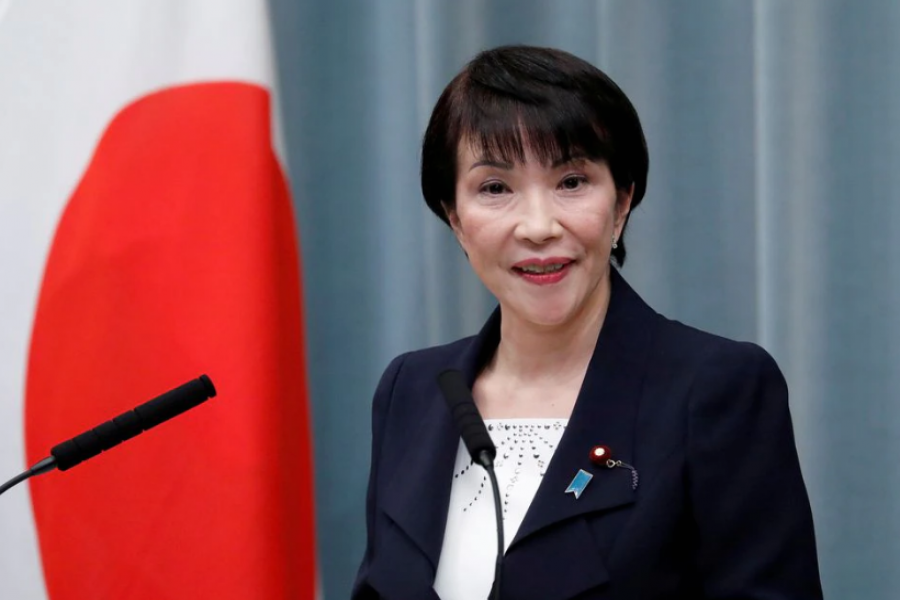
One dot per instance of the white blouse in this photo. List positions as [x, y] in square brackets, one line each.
[524, 449]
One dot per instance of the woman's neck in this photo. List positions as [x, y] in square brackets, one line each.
[531, 353]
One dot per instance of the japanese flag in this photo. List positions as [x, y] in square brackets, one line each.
[147, 237]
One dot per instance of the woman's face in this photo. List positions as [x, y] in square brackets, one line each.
[539, 235]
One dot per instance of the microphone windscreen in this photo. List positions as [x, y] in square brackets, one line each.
[127, 425]
[174, 402]
[465, 414]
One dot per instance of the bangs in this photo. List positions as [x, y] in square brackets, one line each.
[555, 129]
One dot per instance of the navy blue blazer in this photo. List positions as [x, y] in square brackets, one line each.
[720, 511]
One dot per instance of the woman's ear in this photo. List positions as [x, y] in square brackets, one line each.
[456, 226]
[452, 218]
[623, 207]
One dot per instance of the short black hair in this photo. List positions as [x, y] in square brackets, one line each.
[562, 105]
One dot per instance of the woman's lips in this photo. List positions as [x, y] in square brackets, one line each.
[545, 278]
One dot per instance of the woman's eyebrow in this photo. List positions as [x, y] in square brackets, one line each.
[577, 158]
[491, 163]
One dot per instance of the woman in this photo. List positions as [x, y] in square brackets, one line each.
[638, 458]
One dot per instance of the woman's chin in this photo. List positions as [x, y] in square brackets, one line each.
[545, 315]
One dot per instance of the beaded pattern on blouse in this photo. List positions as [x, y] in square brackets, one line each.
[517, 444]
[524, 451]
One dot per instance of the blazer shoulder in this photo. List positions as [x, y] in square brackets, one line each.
[412, 375]
[442, 353]
[429, 361]
[692, 347]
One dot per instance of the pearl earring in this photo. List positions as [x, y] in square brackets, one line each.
[615, 244]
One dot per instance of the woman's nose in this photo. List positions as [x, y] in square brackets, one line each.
[536, 219]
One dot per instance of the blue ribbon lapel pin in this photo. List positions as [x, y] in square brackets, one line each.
[582, 478]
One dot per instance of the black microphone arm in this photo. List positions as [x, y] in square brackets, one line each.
[72, 452]
[480, 446]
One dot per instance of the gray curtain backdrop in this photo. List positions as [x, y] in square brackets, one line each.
[774, 133]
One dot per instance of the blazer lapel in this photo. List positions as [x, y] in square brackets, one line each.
[416, 499]
[419, 492]
[418, 496]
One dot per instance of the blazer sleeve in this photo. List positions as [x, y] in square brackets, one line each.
[380, 408]
[752, 519]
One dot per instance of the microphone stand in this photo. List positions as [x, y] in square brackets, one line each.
[488, 463]
[47, 464]
[481, 448]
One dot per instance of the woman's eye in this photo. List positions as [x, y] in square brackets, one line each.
[493, 188]
[573, 182]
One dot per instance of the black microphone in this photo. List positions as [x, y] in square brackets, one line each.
[467, 418]
[479, 444]
[129, 424]
[72, 452]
